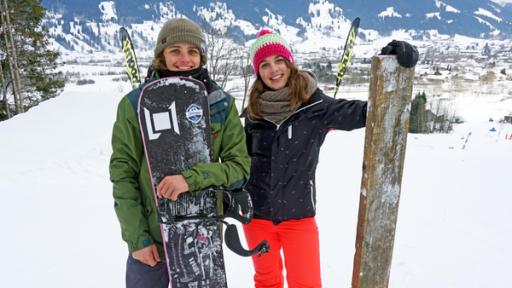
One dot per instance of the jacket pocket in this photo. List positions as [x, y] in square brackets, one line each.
[215, 129]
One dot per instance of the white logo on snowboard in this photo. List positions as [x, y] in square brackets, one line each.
[161, 121]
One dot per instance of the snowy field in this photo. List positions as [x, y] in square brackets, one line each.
[454, 228]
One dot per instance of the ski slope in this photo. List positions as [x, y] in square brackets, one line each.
[59, 228]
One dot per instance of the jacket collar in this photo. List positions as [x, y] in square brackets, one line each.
[312, 102]
[215, 92]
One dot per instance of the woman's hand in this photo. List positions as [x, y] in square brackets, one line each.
[171, 187]
[406, 54]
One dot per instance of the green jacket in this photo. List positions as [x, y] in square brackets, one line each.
[134, 202]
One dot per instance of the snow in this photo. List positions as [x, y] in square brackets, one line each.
[217, 15]
[389, 12]
[452, 9]
[108, 10]
[220, 17]
[327, 19]
[432, 15]
[276, 23]
[453, 229]
[491, 27]
[488, 14]
[167, 11]
[447, 7]
[502, 2]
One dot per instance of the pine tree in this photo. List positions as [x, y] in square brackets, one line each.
[487, 50]
[418, 119]
[36, 62]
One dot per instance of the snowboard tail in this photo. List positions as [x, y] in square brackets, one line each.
[197, 259]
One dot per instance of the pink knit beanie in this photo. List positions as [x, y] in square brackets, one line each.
[268, 44]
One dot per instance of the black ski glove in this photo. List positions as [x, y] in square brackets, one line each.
[243, 199]
[406, 54]
[239, 199]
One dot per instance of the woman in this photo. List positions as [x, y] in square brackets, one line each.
[180, 51]
[287, 120]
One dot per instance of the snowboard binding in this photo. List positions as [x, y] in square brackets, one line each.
[238, 205]
[202, 205]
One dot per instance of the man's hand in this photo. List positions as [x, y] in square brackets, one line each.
[148, 255]
[171, 187]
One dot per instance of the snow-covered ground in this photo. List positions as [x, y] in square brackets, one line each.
[59, 228]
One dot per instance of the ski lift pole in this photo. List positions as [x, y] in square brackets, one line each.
[387, 125]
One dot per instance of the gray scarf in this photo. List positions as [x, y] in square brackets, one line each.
[275, 105]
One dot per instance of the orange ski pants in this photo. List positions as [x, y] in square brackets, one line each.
[298, 240]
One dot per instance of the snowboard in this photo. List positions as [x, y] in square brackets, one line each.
[175, 125]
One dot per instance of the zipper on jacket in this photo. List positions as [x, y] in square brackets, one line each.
[311, 187]
[290, 132]
[303, 108]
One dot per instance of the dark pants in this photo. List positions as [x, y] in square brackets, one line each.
[140, 275]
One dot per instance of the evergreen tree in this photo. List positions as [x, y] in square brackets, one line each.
[36, 62]
[418, 119]
[487, 50]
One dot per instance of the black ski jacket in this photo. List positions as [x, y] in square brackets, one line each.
[285, 156]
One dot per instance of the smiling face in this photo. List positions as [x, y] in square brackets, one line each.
[182, 57]
[274, 72]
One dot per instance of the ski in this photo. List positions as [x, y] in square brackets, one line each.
[347, 53]
[131, 65]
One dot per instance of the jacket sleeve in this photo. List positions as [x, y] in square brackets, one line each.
[125, 163]
[233, 170]
[344, 114]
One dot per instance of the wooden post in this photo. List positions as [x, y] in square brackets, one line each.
[387, 125]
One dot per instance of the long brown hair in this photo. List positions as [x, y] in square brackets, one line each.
[296, 82]
[158, 63]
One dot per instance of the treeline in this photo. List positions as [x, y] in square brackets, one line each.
[432, 119]
[27, 65]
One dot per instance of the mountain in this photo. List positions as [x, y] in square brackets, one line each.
[92, 25]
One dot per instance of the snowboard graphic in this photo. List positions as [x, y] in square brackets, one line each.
[175, 124]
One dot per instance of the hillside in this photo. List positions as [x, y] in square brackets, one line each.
[454, 228]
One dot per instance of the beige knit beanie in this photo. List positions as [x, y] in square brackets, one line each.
[181, 30]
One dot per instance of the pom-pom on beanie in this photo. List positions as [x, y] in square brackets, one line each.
[181, 30]
[268, 44]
